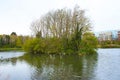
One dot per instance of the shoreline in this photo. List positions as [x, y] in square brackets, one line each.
[11, 49]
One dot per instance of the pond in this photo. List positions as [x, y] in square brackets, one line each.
[105, 65]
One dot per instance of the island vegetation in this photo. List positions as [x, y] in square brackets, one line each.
[63, 31]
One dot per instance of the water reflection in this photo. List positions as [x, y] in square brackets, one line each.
[53, 67]
[6, 61]
[12, 68]
[101, 66]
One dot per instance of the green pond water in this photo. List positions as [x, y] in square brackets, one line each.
[105, 65]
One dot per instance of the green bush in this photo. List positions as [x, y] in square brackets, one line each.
[41, 45]
[88, 44]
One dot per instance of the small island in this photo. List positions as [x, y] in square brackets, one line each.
[63, 31]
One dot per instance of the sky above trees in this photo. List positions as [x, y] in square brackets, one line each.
[17, 15]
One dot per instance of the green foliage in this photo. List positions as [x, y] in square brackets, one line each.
[53, 45]
[11, 49]
[29, 45]
[62, 31]
[19, 41]
[88, 44]
[12, 41]
[41, 45]
[76, 39]
[109, 44]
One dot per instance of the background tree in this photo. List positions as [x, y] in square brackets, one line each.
[13, 33]
[13, 39]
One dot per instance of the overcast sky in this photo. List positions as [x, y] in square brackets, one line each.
[17, 15]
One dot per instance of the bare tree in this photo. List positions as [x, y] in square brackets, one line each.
[61, 23]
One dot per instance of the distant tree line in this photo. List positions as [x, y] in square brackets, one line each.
[12, 40]
[109, 44]
[63, 31]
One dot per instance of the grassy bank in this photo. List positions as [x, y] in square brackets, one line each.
[11, 49]
[109, 46]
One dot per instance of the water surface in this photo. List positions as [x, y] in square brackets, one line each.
[20, 66]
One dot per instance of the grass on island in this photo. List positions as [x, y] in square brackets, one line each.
[11, 49]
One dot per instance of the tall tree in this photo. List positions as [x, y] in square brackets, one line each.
[67, 25]
[13, 39]
[14, 33]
